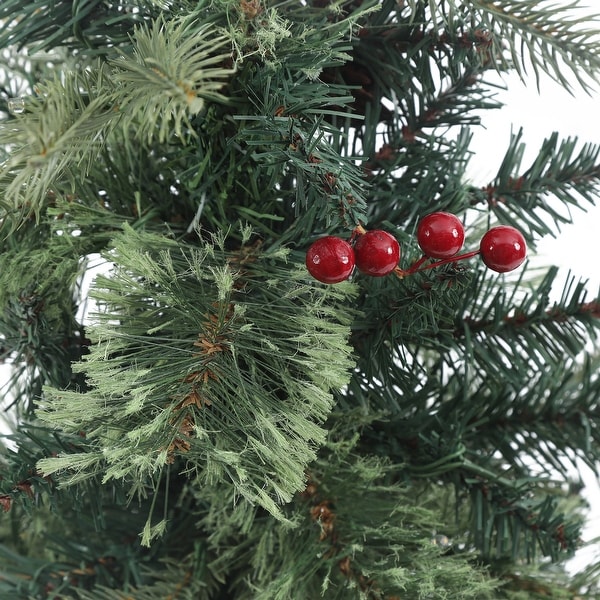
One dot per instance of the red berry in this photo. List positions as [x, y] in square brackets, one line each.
[330, 259]
[377, 253]
[440, 235]
[503, 248]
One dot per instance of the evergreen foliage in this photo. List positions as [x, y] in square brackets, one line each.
[207, 421]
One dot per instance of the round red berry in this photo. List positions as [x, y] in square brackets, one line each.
[377, 253]
[330, 259]
[440, 235]
[503, 248]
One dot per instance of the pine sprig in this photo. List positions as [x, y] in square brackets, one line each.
[556, 407]
[314, 158]
[68, 123]
[451, 106]
[70, 529]
[543, 37]
[59, 135]
[340, 545]
[180, 64]
[88, 25]
[38, 305]
[191, 364]
[511, 521]
[566, 326]
[563, 171]
[186, 579]
[552, 39]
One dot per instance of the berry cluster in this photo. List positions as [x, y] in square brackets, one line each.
[331, 259]
[440, 235]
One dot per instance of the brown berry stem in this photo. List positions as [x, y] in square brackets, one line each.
[358, 230]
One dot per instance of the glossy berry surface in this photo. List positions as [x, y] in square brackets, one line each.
[503, 248]
[330, 259]
[377, 253]
[440, 235]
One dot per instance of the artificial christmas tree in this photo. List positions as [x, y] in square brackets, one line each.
[210, 421]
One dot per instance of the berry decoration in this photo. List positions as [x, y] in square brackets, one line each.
[377, 253]
[330, 259]
[440, 235]
[503, 248]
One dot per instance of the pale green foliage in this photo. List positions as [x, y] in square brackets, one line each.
[188, 363]
[62, 133]
[171, 73]
[373, 538]
[270, 30]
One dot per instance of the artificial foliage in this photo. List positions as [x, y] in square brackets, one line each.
[196, 406]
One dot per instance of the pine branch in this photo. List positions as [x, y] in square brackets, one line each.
[533, 329]
[310, 152]
[59, 135]
[76, 538]
[186, 579]
[540, 584]
[561, 172]
[377, 544]
[550, 422]
[549, 38]
[509, 515]
[39, 301]
[552, 38]
[175, 64]
[522, 370]
[511, 521]
[449, 63]
[452, 106]
[68, 123]
[20, 485]
[89, 25]
[193, 353]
